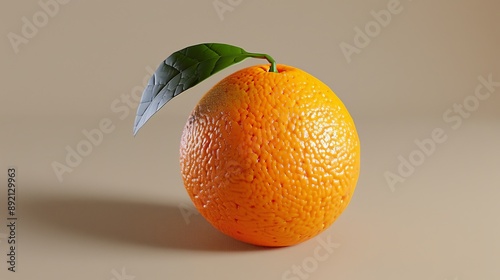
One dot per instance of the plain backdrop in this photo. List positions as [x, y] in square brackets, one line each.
[406, 70]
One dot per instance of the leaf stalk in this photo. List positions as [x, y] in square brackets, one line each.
[271, 60]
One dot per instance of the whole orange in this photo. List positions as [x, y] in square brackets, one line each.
[271, 159]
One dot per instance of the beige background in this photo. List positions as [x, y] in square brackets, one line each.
[118, 214]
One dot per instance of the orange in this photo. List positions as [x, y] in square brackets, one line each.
[270, 159]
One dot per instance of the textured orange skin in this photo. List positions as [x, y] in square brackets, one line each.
[271, 159]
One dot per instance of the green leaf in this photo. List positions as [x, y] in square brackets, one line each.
[185, 69]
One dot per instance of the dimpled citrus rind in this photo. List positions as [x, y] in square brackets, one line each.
[271, 159]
